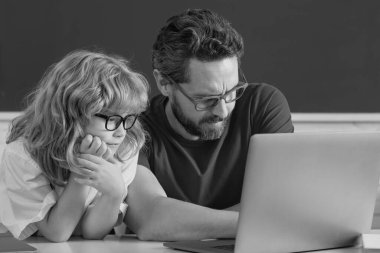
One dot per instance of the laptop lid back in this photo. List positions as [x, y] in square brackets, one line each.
[308, 191]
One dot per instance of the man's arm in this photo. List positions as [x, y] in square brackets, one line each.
[235, 208]
[154, 216]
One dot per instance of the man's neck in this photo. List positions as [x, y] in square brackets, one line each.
[176, 125]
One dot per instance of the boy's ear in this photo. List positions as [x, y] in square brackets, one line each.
[163, 84]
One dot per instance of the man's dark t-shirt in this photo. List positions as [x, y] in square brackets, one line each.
[210, 173]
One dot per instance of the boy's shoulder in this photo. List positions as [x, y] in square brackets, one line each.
[15, 153]
[17, 148]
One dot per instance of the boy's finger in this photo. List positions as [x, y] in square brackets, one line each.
[108, 155]
[113, 160]
[85, 181]
[82, 171]
[90, 162]
[85, 143]
[95, 145]
[102, 149]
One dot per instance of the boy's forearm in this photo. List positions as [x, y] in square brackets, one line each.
[100, 218]
[64, 216]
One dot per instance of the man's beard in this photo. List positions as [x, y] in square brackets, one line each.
[205, 129]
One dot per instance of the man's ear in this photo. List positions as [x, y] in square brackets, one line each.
[163, 84]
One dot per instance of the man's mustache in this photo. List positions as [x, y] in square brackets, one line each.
[213, 119]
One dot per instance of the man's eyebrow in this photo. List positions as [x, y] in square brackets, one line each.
[204, 96]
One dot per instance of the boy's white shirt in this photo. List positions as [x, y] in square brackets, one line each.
[26, 195]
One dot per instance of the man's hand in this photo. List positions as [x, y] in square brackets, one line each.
[235, 208]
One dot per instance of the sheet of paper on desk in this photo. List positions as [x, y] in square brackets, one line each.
[10, 244]
[371, 240]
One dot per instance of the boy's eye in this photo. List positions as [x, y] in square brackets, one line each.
[114, 119]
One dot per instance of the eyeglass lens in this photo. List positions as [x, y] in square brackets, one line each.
[114, 122]
[228, 97]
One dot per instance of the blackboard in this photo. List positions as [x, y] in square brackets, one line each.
[324, 55]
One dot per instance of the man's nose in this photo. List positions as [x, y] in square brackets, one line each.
[220, 109]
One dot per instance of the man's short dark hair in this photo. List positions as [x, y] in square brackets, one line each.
[195, 33]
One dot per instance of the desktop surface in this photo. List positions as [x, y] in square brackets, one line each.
[114, 244]
[129, 244]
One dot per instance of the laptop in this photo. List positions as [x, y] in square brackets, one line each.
[303, 192]
[10, 244]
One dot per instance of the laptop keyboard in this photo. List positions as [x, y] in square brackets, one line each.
[229, 247]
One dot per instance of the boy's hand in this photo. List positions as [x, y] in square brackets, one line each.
[105, 176]
[93, 145]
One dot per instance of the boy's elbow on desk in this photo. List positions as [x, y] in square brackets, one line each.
[89, 236]
[57, 237]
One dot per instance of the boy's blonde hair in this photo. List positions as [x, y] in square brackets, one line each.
[69, 94]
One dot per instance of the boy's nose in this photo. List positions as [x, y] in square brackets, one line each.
[120, 131]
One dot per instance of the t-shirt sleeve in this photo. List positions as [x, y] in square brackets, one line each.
[143, 158]
[276, 116]
[25, 194]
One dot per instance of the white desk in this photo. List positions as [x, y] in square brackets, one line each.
[129, 244]
[112, 244]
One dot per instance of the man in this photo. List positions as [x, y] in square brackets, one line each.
[199, 130]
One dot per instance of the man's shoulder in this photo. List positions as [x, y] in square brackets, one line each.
[157, 100]
[156, 105]
[259, 93]
[260, 89]
[154, 116]
[260, 98]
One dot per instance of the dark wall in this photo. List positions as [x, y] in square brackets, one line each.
[324, 55]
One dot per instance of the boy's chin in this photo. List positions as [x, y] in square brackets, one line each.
[113, 149]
